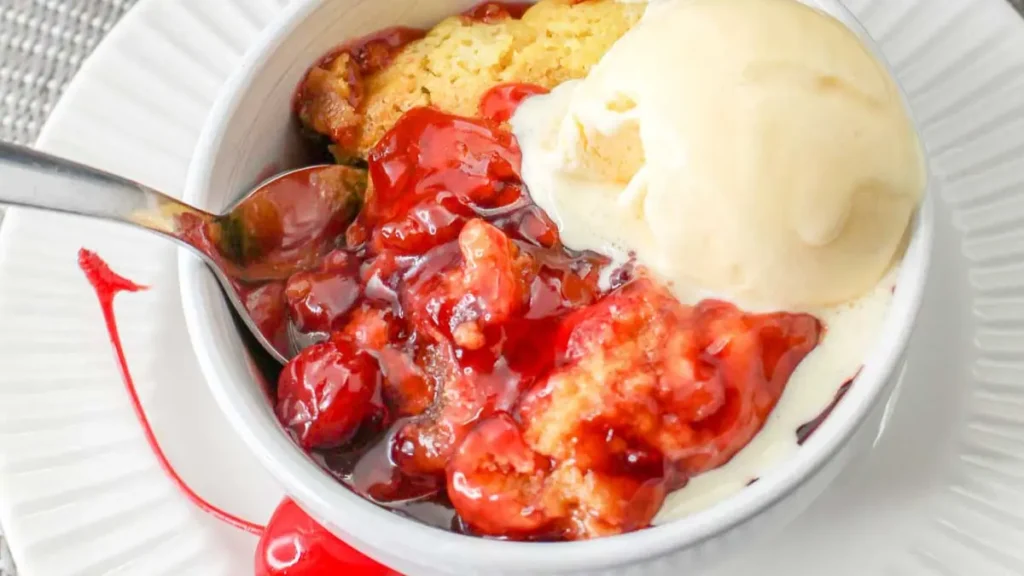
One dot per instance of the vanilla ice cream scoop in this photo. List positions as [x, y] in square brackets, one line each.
[754, 150]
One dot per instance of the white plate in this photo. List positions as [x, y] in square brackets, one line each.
[941, 494]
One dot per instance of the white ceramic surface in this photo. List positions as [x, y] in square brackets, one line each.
[941, 493]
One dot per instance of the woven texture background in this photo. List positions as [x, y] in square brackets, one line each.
[42, 45]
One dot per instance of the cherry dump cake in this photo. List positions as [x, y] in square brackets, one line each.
[482, 361]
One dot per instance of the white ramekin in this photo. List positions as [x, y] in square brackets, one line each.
[250, 130]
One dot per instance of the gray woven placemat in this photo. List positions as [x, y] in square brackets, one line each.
[42, 44]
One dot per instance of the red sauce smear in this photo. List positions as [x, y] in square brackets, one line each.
[500, 103]
[292, 544]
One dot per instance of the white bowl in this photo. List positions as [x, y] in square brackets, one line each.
[250, 130]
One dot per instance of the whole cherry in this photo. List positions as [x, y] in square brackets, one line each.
[325, 392]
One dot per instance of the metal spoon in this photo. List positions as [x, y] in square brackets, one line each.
[284, 225]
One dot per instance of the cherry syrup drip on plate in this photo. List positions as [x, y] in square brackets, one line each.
[108, 284]
[292, 543]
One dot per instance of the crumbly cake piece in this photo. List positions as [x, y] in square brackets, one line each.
[455, 63]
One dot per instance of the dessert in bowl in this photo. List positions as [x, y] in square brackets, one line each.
[596, 298]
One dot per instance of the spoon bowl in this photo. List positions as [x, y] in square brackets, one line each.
[283, 226]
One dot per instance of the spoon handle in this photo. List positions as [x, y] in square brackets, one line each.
[38, 180]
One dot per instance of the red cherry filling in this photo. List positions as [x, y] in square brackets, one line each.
[645, 392]
[495, 480]
[266, 306]
[317, 299]
[499, 104]
[475, 361]
[429, 173]
[325, 392]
